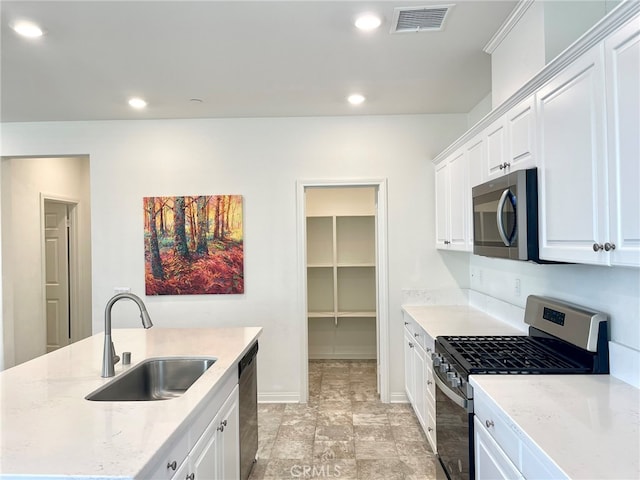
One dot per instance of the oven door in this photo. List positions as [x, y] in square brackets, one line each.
[454, 430]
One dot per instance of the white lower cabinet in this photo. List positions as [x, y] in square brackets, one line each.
[212, 454]
[216, 455]
[419, 385]
[491, 462]
[501, 448]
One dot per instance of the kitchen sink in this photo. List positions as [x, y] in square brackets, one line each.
[153, 379]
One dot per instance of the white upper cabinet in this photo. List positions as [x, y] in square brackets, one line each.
[572, 186]
[578, 122]
[496, 159]
[589, 155]
[622, 69]
[476, 160]
[521, 136]
[453, 203]
[510, 141]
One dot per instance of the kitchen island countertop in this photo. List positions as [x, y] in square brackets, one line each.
[49, 429]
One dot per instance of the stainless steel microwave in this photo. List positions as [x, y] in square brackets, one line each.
[505, 216]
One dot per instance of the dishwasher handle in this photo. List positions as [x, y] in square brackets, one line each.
[248, 359]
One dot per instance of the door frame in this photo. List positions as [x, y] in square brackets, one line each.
[382, 278]
[74, 293]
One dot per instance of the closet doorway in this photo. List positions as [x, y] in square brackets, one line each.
[344, 244]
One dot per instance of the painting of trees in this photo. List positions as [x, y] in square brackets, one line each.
[193, 245]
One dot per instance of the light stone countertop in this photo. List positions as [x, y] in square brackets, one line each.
[588, 425]
[48, 428]
[459, 320]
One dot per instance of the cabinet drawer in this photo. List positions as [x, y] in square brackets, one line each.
[497, 425]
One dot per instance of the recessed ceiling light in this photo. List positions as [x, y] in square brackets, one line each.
[28, 29]
[137, 103]
[355, 99]
[368, 22]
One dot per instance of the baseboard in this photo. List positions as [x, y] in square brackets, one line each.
[398, 397]
[279, 397]
[342, 356]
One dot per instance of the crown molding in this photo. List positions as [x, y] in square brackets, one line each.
[512, 20]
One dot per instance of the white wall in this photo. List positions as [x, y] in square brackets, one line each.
[566, 21]
[546, 28]
[482, 108]
[260, 159]
[519, 56]
[24, 180]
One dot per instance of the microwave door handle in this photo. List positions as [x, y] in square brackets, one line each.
[499, 213]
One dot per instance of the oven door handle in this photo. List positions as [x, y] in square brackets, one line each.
[453, 396]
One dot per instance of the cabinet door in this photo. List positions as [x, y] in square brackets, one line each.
[409, 376]
[442, 205]
[459, 198]
[496, 155]
[203, 457]
[572, 172]
[490, 461]
[521, 135]
[622, 54]
[420, 382]
[229, 441]
[476, 162]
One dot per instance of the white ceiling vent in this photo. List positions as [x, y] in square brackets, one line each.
[419, 19]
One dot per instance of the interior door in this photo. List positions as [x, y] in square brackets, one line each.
[56, 232]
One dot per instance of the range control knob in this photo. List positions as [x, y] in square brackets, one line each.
[453, 379]
[436, 358]
[444, 367]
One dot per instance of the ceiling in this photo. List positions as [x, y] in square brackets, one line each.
[240, 59]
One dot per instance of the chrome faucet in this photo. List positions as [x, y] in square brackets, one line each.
[109, 357]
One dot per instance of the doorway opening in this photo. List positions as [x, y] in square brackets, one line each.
[44, 308]
[342, 245]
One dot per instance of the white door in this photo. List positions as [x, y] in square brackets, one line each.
[56, 233]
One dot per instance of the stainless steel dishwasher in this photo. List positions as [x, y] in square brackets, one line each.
[248, 411]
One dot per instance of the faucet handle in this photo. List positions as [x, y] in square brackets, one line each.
[116, 358]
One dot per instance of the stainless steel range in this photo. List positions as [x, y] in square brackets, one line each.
[563, 339]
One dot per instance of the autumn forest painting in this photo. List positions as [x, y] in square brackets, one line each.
[193, 245]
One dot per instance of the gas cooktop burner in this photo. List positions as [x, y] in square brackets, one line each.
[510, 354]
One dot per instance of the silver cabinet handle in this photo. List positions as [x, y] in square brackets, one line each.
[410, 345]
[504, 166]
[489, 423]
[172, 465]
[416, 335]
[406, 323]
[429, 429]
[191, 476]
[597, 247]
[429, 382]
[447, 242]
[609, 246]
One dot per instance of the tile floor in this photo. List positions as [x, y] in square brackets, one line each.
[344, 432]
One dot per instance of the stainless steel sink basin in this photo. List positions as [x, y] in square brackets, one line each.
[153, 379]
